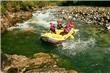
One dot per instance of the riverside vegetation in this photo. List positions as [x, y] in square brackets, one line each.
[15, 60]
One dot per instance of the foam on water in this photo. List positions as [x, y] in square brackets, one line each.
[44, 18]
[39, 18]
[20, 26]
[72, 47]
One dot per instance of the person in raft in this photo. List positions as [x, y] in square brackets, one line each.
[59, 24]
[52, 28]
[68, 26]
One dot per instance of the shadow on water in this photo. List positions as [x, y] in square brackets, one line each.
[48, 46]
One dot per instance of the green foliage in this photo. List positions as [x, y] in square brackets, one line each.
[29, 5]
[14, 6]
[3, 7]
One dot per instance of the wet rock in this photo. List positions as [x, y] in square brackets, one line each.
[108, 26]
[51, 70]
[39, 63]
[39, 59]
[19, 61]
[72, 71]
[48, 70]
[5, 62]
[28, 30]
[12, 70]
[10, 19]
[43, 59]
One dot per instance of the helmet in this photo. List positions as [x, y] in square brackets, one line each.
[74, 19]
[51, 24]
[59, 21]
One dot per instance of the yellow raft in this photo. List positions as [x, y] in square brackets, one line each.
[56, 38]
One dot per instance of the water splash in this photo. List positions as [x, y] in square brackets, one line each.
[20, 26]
[72, 47]
[44, 17]
[39, 18]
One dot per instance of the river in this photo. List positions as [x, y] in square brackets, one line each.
[88, 52]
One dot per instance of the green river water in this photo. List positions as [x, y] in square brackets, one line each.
[88, 52]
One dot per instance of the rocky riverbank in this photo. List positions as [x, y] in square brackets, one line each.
[98, 16]
[38, 63]
[10, 19]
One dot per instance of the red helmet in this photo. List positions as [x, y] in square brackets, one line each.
[51, 24]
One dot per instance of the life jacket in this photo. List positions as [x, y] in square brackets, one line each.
[52, 27]
[68, 27]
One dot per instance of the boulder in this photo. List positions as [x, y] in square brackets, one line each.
[39, 63]
[10, 19]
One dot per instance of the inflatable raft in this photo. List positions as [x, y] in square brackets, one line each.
[56, 38]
